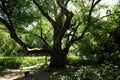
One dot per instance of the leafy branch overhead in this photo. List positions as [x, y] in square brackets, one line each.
[60, 30]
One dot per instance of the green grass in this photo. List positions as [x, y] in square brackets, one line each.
[73, 58]
[19, 62]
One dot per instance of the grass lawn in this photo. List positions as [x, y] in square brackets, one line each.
[19, 62]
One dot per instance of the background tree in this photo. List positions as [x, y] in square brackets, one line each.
[100, 43]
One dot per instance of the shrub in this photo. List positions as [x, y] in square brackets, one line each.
[108, 72]
[18, 62]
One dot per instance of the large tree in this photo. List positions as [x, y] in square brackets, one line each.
[64, 25]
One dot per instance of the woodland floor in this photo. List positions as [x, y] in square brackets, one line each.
[37, 72]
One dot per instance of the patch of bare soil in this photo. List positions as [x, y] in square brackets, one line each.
[37, 72]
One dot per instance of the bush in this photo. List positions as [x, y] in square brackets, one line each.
[94, 73]
[9, 63]
[18, 62]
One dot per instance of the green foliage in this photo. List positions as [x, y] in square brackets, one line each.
[9, 63]
[108, 72]
[21, 8]
[8, 47]
[98, 43]
[73, 59]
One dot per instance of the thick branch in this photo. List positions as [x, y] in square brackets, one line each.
[13, 34]
[4, 22]
[4, 8]
[66, 2]
[66, 25]
[64, 10]
[68, 20]
[10, 27]
[64, 29]
[38, 50]
[61, 5]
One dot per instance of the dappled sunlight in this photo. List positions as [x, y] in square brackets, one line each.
[18, 73]
[36, 72]
[10, 75]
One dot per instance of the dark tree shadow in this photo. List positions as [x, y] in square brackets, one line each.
[47, 74]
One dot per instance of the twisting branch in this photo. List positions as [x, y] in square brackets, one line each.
[68, 14]
[10, 27]
[66, 2]
[3, 7]
[66, 23]
[61, 5]
[4, 22]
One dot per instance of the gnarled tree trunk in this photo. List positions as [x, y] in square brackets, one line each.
[59, 57]
[58, 60]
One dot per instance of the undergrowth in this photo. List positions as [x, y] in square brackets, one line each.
[108, 72]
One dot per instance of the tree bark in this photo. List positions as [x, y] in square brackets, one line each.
[58, 59]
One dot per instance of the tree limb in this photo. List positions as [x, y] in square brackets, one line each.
[61, 5]
[4, 8]
[4, 22]
[10, 27]
[66, 2]
[63, 11]
[38, 50]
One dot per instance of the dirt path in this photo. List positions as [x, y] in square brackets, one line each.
[37, 72]
[18, 73]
